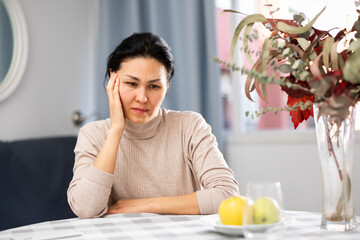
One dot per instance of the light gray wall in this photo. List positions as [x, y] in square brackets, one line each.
[288, 157]
[60, 74]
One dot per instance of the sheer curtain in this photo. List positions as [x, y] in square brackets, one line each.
[188, 26]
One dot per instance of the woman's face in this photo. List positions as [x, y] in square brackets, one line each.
[143, 86]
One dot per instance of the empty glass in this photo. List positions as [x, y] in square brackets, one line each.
[264, 216]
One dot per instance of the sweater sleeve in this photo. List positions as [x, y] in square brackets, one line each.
[89, 191]
[216, 178]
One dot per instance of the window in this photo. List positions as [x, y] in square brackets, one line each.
[235, 103]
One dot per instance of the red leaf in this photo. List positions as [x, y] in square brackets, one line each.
[299, 116]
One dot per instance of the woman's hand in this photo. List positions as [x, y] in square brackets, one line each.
[129, 206]
[117, 118]
[183, 204]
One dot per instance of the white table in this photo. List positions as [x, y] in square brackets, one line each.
[154, 226]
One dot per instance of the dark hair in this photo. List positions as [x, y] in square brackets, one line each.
[142, 45]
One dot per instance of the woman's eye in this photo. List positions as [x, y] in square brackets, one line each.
[154, 86]
[133, 84]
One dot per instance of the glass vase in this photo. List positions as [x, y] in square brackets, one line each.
[336, 151]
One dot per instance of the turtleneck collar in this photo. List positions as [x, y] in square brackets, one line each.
[143, 131]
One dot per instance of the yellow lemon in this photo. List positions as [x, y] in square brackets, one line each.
[231, 210]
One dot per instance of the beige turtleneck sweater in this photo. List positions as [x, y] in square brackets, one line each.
[173, 154]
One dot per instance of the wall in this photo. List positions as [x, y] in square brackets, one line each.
[288, 157]
[60, 74]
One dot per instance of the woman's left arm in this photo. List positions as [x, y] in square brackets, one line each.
[210, 168]
[184, 204]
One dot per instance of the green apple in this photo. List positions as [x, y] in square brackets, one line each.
[266, 210]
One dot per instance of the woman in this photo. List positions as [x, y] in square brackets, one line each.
[144, 158]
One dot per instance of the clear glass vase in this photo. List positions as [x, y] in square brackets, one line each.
[336, 151]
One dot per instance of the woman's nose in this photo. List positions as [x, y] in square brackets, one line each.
[141, 96]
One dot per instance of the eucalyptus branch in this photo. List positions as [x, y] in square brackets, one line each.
[271, 13]
[272, 80]
[303, 106]
[227, 64]
[331, 149]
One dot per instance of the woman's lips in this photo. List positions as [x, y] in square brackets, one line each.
[140, 110]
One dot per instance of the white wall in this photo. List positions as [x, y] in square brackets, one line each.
[290, 157]
[60, 74]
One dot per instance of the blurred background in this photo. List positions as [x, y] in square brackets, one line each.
[61, 76]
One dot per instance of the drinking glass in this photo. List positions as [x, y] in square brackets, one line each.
[264, 216]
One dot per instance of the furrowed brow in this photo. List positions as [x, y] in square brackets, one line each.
[137, 79]
[133, 77]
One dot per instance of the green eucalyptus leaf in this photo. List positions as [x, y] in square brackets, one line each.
[297, 30]
[263, 88]
[305, 34]
[274, 43]
[311, 31]
[247, 20]
[286, 51]
[341, 61]
[297, 76]
[232, 11]
[304, 75]
[305, 45]
[351, 69]
[356, 26]
[246, 43]
[354, 45]
[281, 45]
[285, 68]
[266, 53]
[299, 18]
[296, 64]
[268, 26]
[334, 56]
[326, 51]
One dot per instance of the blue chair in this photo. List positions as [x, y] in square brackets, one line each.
[34, 177]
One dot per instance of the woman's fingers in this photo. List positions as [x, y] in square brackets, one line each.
[129, 206]
[116, 86]
[115, 106]
[111, 81]
[112, 89]
[111, 84]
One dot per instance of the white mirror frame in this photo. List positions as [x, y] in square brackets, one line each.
[20, 49]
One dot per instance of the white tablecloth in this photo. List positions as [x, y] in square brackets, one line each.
[154, 226]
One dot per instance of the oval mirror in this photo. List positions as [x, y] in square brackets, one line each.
[14, 46]
[6, 42]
